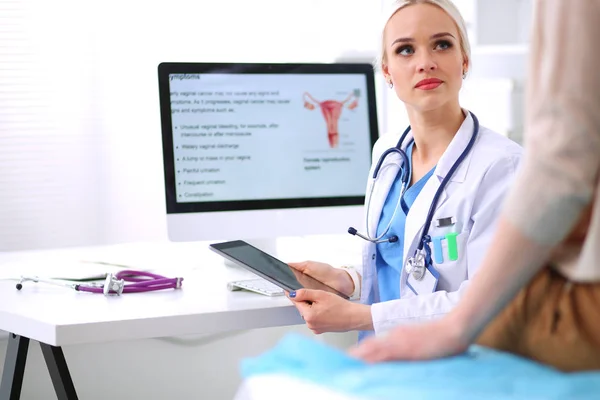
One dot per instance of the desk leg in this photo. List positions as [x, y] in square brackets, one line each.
[14, 367]
[59, 372]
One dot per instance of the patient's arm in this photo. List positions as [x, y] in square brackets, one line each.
[555, 188]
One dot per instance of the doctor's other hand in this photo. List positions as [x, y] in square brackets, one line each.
[421, 341]
[325, 273]
[327, 312]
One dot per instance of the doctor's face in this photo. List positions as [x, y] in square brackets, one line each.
[423, 57]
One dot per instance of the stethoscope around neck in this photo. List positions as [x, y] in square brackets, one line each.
[404, 179]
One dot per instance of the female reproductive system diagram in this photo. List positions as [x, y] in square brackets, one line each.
[332, 110]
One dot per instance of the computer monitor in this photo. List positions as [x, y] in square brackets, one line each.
[260, 151]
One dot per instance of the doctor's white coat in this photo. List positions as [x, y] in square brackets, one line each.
[473, 196]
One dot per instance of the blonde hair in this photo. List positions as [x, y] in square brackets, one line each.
[448, 6]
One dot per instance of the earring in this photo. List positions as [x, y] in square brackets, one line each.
[390, 84]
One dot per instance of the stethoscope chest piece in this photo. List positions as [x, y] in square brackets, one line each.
[112, 284]
[416, 266]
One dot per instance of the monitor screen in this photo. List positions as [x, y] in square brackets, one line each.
[264, 136]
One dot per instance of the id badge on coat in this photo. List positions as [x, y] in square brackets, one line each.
[428, 284]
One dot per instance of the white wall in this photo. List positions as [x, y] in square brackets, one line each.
[80, 140]
[80, 144]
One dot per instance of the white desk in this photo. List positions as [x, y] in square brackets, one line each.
[56, 316]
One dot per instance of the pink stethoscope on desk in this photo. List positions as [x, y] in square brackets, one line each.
[115, 284]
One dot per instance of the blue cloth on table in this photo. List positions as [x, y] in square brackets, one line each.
[480, 373]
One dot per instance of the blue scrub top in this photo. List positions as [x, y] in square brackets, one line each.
[389, 255]
[389, 260]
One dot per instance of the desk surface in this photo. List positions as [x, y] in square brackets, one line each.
[62, 316]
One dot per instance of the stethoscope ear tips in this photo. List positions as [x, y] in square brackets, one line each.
[352, 231]
[393, 239]
[19, 286]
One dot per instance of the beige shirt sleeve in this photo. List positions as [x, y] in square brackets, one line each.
[560, 171]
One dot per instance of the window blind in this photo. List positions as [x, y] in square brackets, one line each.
[48, 147]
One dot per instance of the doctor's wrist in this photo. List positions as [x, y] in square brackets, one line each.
[348, 284]
[361, 317]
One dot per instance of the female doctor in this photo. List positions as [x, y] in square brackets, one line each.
[430, 209]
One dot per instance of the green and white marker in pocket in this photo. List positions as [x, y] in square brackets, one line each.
[452, 246]
[450, 238]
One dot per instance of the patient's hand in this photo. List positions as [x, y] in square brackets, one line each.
[325, 273]
[420, 341]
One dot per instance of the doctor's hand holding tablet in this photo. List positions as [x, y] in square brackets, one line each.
[325, 312]
[433, 192]
[334, 277]
[276, 271]
[320, 292]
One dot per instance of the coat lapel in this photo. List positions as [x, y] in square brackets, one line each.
[415, 220]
